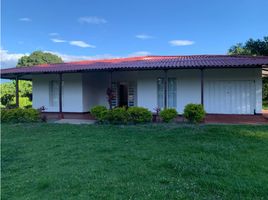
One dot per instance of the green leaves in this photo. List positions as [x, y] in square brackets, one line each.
[251, 47]
[37, 58]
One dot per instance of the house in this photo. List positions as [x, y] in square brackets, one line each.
[224, 84]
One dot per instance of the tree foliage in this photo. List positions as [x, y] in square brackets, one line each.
[7, 93]
[255, 48]
[37, 58]
[251, 47]
[25, 87]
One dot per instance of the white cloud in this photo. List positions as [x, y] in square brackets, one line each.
[54, 34]
[9, 59]
[57, 40]
[139, 53]
[92, 20]
[25, 19]
[181, 42]
[69, 58]
[144, 36]
[81, 44]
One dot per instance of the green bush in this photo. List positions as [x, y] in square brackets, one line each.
[168, 114]
[118, 116]
[139, 115]
[99, 112]
[18, 115]
[195, 113]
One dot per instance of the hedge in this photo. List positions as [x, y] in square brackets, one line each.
[18, 115]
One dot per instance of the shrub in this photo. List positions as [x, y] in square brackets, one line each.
[139, 115]
[195, 113]
[168, 114]
[118, 115]
[98, 112]
[18, 115]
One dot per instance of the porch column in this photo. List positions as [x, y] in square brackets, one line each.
[17, 92]
[60, 96]
[202, 85]
[165, 89]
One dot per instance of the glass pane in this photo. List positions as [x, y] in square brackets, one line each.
[55, 92]
[172, 93]
[160, 92]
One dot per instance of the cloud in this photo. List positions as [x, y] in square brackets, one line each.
[25, 19]
[139, 53]
[54, 34]
[9, 59]
[81, 44]
[92, 20]
[144, 36]
[181, 42]
[57, 40]
[69, 58]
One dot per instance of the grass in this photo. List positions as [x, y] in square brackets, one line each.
[50, 161]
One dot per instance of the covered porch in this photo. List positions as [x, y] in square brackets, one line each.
[223, 85]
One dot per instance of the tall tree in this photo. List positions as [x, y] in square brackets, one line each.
[37, 58]
[251, 47]
[256, 48]
[8, 89]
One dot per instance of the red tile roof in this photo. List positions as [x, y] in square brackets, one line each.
[144, 62]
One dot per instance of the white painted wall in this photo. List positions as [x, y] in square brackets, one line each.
[251, 74]
[82, 91]
[72, 92]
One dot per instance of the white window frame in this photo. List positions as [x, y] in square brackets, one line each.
[161, 102]
[54, 95]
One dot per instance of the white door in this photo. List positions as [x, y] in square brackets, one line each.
[229, 97]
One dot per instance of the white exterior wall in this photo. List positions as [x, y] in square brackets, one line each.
[251, 74]
[72, 92]
[82, 91]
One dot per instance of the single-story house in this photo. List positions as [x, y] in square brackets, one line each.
[224, 84]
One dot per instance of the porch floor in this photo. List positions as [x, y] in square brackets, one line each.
[86, 118]
[75, 121]
[236, 119]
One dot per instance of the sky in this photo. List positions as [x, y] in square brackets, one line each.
[95, 29]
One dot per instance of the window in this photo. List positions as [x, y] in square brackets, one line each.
[54, 93]
[171, 93]
[114, 91]
[160, 92]
[131, 94]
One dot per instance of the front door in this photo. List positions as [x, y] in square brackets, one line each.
[123, 94]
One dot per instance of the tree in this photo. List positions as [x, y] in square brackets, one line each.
[38, 58]
[25, 87]
[7, 93]
[255, 48]
[251, 47]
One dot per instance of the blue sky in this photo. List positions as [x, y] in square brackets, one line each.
[88, 29]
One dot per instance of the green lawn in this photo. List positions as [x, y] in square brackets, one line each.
[49, 161]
